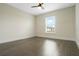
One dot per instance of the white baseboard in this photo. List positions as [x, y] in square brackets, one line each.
[1, 42]
[60, 38]
[70, 39]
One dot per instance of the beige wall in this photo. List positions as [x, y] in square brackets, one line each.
[15, 24]
[77, 24]
[65, 24]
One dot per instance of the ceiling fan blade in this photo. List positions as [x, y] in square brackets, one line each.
[34, 6]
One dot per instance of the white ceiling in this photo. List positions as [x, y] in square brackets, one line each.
[35, 11]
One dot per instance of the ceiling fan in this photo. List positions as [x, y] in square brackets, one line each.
[40, 5]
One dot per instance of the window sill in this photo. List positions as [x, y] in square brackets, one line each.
[50, 32]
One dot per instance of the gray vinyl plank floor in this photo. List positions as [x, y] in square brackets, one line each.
[38, 46]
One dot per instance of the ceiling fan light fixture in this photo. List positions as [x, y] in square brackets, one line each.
[39, 7]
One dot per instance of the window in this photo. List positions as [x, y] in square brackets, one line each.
[50, 24]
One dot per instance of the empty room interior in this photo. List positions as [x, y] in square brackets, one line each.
[39, 29]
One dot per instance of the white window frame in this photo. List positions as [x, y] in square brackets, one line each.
[46, 25]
